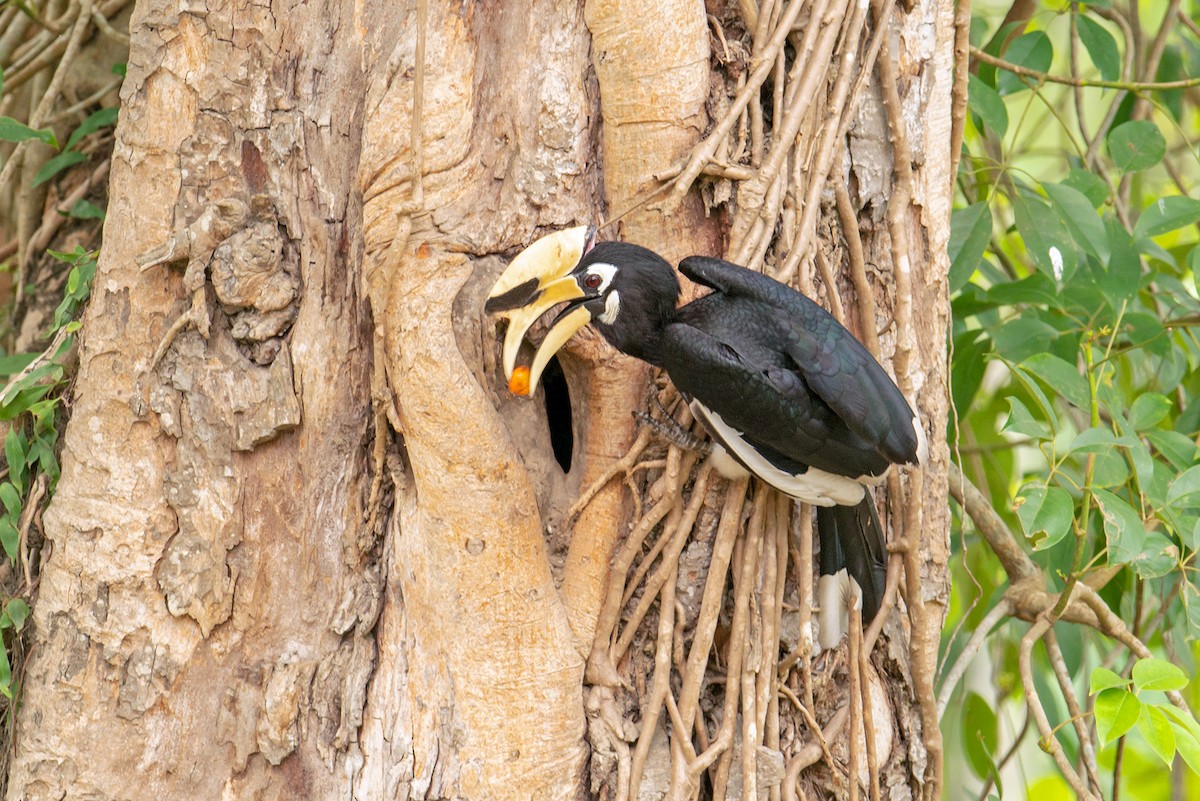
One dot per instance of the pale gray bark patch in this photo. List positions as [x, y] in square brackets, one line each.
[225, 403]
[285, 693]
[145, 675]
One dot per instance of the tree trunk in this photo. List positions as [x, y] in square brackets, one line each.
[305, 544]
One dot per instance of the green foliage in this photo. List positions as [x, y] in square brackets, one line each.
[1136, 145]
[16, 612]
[1101, 47]
[104, 118]
[982, 736]
[1165, 728]
[31, 403]
[15, 131]
[33, 385]
[1076, 369]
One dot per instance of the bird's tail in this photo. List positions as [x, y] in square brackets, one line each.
[852, 541]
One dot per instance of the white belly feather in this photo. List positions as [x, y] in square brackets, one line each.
[813, 486]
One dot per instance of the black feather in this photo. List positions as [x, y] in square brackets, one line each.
[779, 370]
[852, 538]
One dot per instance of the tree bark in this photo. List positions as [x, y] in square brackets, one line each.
[305, 544]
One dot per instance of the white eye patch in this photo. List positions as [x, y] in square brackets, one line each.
[602, 271]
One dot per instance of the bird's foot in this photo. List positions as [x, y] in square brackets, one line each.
[668, 428]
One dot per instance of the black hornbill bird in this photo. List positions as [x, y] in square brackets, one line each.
[788, 393]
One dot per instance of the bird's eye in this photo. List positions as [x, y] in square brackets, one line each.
[592, 281]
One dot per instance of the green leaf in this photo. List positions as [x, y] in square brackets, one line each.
[19, 403]
[1136, 145]
[1093, 440]
[1177, 449]
[79, 286]
[1060, 376]
[1143, 462]
[1046, 515]
[1183, 720]
[48, 464]
[1020, 421]
[1191, 539]
[11, 499]
[966, 372]
[1103, 679]
[86, 210]
[1142, 329]
[1089, 185]
[1123, 527]
[986, 102]
[17, 611]
[5, 673]
[1158, 556]
[979, 734]
[1023, 336]
[1111, 469]
[1155, 727]
[1185, 488]
[1123, 273]
[1191, 605]
[1032, 387]
[1046, 239]
[10, 538]
[1032, 51]
[13, 131]
[1101, 46]
[1081, 219]
[1034, 289]
[57, 164]
[1172, 67]
[1149, 410]
[103, 118]
[1167, 214]
[970, 232]
[1188, 746]
[1149, 248]
[15, 363]
[14, 457]
[1152, 673]
[1116, 712]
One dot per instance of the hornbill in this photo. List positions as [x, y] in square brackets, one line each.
[788, 393]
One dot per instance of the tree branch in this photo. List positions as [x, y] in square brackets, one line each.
[1049, 742]
[1045, 77]
[1016, 562]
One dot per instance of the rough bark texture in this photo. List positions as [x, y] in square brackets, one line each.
[305, 544]
[206, 608]
[637, 69]
[478, 647]
[922, 55]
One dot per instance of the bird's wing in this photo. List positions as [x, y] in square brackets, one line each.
[830, 361]
[772, 409]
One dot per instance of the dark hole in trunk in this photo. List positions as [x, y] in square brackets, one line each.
[558, 413]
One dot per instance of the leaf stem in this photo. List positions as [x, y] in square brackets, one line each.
[1081, 525]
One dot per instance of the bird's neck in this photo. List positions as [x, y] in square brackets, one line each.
[648, 350]
[641, 336]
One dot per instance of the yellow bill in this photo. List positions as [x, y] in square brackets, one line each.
[537, 280]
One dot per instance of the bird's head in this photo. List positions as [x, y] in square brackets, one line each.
[626, 290]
